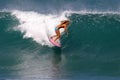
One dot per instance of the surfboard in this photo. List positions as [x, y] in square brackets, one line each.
[54, 43]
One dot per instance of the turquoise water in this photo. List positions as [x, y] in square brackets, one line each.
[90, 52]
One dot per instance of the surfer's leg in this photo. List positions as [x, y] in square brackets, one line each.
[53, 36]
[57, 38]
[57, 35]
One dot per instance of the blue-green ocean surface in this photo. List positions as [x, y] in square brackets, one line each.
[90, 52]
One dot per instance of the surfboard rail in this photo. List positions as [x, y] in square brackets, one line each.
[54, 43]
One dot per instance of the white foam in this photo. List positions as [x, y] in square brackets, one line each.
[37, 26]
[84, 12]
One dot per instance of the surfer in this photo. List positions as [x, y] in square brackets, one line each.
[64, 25]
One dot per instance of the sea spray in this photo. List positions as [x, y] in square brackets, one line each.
[38, 26]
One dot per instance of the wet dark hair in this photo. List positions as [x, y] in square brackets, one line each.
[66, 21]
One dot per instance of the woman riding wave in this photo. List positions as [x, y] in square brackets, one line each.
[64, 25]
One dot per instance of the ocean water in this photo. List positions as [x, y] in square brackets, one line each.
[90, 52]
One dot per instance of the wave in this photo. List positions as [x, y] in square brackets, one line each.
[39, 26]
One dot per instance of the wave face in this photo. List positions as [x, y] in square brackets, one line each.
[90, 51]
